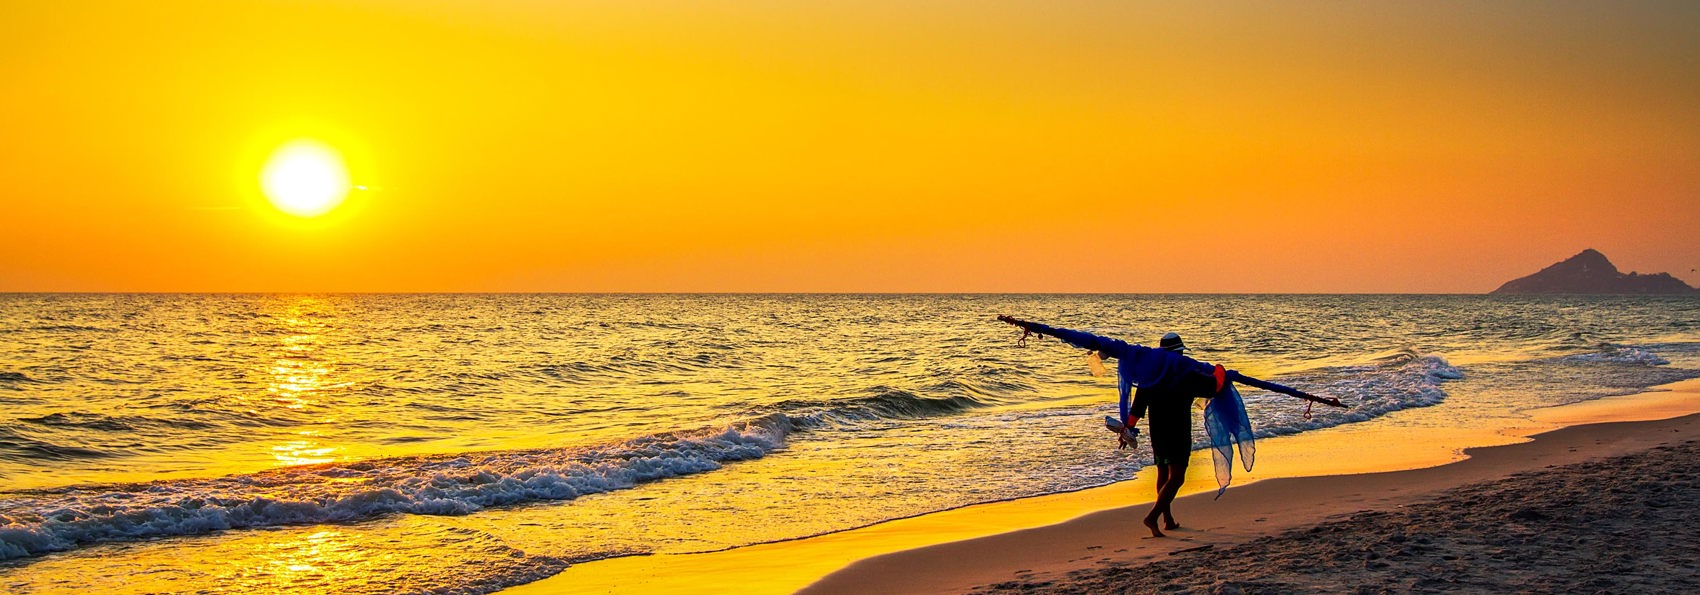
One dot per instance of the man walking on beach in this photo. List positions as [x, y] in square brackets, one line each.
[1167, 382]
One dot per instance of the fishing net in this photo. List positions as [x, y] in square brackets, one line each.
[1226, 422]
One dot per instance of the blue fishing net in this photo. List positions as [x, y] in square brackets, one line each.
[1226, 422]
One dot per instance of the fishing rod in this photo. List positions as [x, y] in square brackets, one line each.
[1029, 328]
[1285, 390]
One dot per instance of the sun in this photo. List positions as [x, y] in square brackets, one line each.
[305, 178]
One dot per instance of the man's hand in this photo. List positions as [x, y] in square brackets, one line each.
[1012, 320]
[1127, 436]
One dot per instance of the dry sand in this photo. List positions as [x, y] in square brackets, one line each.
[1618, 525]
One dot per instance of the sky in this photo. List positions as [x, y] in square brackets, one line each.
[848, 146]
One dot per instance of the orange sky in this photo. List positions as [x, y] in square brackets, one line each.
[849, 146]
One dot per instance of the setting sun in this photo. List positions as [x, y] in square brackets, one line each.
[305, 178]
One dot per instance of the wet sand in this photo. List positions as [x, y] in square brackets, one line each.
[1091, 540]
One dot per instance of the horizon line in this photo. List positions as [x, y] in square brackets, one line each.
[799, 293]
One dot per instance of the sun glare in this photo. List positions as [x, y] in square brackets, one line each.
[305, 178]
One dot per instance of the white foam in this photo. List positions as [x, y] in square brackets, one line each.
[1368, 391]
[1618, 354]
[341, 493]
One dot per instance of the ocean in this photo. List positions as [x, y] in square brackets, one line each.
[464, 443]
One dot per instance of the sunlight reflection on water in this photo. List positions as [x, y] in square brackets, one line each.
[300, 374]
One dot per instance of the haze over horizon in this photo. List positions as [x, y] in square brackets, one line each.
[879, 146]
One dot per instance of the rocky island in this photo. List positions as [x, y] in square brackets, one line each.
[1591, 273]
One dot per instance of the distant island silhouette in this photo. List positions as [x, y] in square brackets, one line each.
[1591, 273]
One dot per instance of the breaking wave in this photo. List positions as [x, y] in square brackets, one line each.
[887, 404]
[1401, 381]
[1616, 354]
[67, 518]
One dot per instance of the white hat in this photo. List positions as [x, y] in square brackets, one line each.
[1172, 342]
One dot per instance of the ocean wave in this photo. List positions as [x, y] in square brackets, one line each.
[15, 377]
[986, 386]
[887, 403]
[109, 423]
[71, 328]
[1616, 354]
[1609, 370]
[67, 518]
[631, 366]
[15, 445]
[1399, 381]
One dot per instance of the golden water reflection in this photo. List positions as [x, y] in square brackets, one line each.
[290, 561]
[400, 554]
[301, 370]
[304, 451]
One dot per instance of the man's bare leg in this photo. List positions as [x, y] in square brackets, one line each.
[1177, 476]
[1169, 479]
[1163, 478]
[1173, 476]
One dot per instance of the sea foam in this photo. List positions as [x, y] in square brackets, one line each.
[1369, 391]
[66, 518]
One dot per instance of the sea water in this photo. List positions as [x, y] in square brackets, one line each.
[463, 443]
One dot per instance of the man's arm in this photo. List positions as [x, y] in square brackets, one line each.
[1108, 347]
[1132, 413]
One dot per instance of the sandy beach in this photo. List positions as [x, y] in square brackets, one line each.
[1484, 510]
[1620, 524]
[1601, 507]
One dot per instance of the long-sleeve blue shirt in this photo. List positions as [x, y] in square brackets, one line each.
[1136, 365]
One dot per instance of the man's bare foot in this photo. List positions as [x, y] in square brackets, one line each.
[1151, 523]
[1169, 522]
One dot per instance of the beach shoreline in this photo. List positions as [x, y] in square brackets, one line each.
[981, 545]
[1613, 525]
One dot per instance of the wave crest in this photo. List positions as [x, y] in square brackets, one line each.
[15, 377]
[1400, 381]
[66, 518]
[1610, 353]
[886, 404]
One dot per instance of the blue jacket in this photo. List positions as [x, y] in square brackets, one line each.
[1136, 365]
